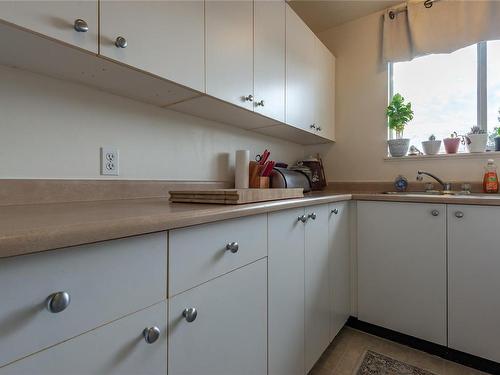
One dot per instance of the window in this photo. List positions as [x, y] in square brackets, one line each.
[450, 92]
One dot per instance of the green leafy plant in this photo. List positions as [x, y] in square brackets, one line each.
[477, 130]
[399, 114]
[432, 137]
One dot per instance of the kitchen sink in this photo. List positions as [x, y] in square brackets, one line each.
[426, 193]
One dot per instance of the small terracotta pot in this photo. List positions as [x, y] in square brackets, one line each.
[451, 145]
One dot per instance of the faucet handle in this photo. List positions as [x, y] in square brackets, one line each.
[446, 186]
[420, 177]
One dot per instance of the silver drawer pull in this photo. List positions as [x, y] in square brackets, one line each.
[335, 211]
[459, 214]
[121, 42]
[435, 213]
[81, 26]
[312, 216]
[58, 302]
[302, 218]
[151, 334]
[233, 247]
[190, 314]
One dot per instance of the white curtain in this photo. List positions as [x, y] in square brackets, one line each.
[414, 30]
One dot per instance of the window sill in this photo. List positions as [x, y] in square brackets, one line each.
[462, 155]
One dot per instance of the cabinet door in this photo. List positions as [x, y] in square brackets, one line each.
[325, 91]
[473, 280]
[55, 19]
[286, 293]
[317, 310]
[229, 51]
[300, 72]
[165, 38]
[269, 58]
[118, 348]
[229, 334]
[402, 268]
[340, 265]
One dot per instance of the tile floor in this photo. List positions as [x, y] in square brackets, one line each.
[343, 355]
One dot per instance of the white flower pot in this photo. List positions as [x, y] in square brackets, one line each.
[477, 142]
[398, 147]
[431, 147]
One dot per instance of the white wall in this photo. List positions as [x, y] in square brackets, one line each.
[53, 129]
[361, 98]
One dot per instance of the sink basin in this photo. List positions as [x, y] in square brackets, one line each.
[420, 193]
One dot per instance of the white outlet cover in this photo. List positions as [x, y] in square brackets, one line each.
[110, 161]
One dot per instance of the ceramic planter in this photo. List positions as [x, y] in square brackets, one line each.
[398, 147]
[476, 142]
[431, 147]
[497, 143]
[451, 145]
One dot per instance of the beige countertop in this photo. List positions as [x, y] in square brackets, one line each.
[31, 228]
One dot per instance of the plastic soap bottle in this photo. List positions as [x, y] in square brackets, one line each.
[490, 180]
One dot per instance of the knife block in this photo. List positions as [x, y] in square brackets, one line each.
[256, 181]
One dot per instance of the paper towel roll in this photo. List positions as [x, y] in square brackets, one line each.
[241, 169]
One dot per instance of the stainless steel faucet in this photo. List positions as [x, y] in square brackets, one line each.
[446, 185]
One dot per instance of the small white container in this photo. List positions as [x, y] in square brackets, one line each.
[241, 169]
[477, 142]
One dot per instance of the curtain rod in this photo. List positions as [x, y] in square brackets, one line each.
[393, 13]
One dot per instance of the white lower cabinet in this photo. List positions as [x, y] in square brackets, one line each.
[402, 267]
[286, 293]
[340, 265]
[118, 348]
[474, 280]
[228, 333]
[317, 293]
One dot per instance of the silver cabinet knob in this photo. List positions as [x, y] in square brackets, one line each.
[190, 314]
[151, 334]
[459, 214]
[233, 247]
[302, 218]
[81, 26]
[335, 211]
[312, 216]
[435, 213]
[259, 104]
[248, 98]
[58, 302]
[121, 42]
[318, 128]
[312, 126]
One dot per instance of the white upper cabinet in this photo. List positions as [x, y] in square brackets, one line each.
[324, 92]
[229, 51]
[269, 58]
[56, 19]
[300, 72]
[473, 280]
[402, 267]
[165, 38]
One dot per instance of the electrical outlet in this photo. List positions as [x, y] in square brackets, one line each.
[110, 161]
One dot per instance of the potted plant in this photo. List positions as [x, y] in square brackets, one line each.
[496, 132]
[431, 146]
[399, 114]
[476, 139]
[451, 143]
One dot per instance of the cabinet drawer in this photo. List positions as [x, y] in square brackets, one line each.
[104, 281]
[229, 333]
[118, 348]
[198, 254]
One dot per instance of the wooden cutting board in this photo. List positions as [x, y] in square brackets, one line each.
[234, 196]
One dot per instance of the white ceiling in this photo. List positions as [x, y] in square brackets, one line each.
[321, 15]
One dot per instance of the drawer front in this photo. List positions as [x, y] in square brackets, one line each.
[118, 348]
[104, 281]
[229, 333]
[198, 254]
